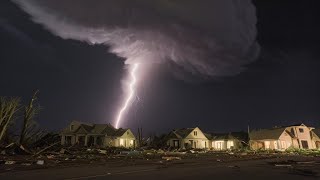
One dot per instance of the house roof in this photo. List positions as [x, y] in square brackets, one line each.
[120, 132]
[103, 129]
[274, 133]
[231, 135]
[180, 133]
[317, 132]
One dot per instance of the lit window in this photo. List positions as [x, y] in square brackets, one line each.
[230, 144]
[121, 142]
[131, 142]
[267, 144]
[301, 130]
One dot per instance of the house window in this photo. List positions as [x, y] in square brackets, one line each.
[230, 145]
[71, 127]
[267, 144]
[195, 133]
[305, 144]
[127, 132]
[121, 142]
[301, 130]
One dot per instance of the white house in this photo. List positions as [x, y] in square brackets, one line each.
[187, 138]
[228, 141]
[103, 135]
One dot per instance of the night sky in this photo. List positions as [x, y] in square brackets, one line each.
[82, 82]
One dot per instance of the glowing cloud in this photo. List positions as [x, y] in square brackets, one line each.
[201, 38]
[206, 38]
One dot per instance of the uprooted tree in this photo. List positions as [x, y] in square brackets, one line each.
[8, 113]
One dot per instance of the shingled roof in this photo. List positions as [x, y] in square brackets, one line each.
[180, 133]
[103, 129]
[317, 132]
[274, 133]
[231, 135]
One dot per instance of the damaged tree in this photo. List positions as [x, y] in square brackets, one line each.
[8, 110]
[30, 131]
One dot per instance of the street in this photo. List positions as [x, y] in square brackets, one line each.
[189, 169]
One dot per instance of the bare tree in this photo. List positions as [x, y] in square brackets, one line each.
[8, 111]
[30, 130]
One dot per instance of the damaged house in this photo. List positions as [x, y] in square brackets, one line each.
[187, 138]
[103, 135]
[281, 138]
[315, 135]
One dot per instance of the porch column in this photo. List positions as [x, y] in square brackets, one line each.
[73, 140]
[95, 140]
[63, 139]
[86, 140]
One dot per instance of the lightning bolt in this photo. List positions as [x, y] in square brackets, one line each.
[130, 95]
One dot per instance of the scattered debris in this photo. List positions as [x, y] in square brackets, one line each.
[40, 162]
[171, 158]
[62, 151]
[234, 166]
[283, 165]
[102, 151]
[26, 164]
[10, 162]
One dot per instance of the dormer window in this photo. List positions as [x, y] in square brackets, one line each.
[195, 133]
[301, 130]
[71, 127]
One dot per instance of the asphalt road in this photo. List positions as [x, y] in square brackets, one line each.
[193, 170]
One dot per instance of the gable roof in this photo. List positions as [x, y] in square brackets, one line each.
[181, 133]
[101, 129]
[231, 135]
[267, 133]
[120, 132]
[184, 132]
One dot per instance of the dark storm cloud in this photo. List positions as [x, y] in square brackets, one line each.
[6, 26]
[206, 38]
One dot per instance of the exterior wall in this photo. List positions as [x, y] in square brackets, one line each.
[229, 144]
[302, 136]
[271, 144]
[127, 140]
[315, 141]
[286, 141]
[171, 143]
[63, 139]
[219, 145]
